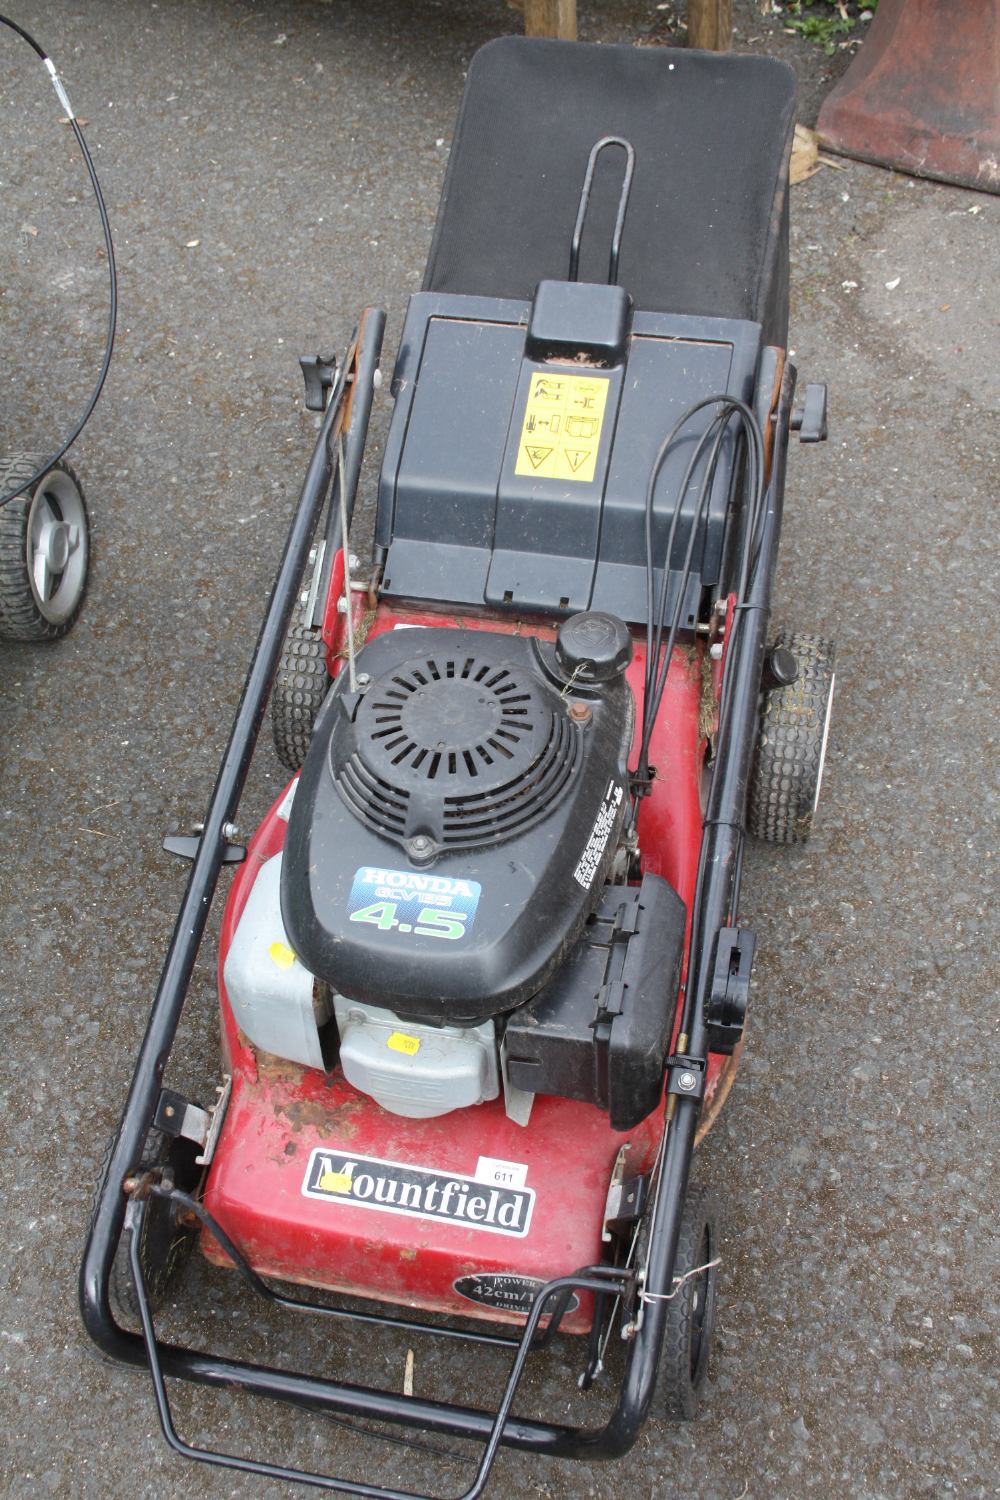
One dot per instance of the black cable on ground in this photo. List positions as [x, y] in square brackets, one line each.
[63, 97]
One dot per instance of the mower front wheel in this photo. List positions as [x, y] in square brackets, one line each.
[791, 748]
[44, 550]
[165, 1244]
[690, 1322]
[300, 685]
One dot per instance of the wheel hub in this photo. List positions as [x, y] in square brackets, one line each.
[55, 545]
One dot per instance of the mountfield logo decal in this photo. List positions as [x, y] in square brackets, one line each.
[419, 1192]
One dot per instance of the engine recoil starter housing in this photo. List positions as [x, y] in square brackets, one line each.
[454, 822]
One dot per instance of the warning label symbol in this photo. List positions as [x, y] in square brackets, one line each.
[568, 409]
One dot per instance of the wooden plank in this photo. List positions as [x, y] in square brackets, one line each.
[710, 24]
[550, 18]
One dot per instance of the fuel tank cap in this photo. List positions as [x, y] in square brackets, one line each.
[593, 646]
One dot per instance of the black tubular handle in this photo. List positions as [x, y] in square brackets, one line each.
[109, 1209]
[588, 182]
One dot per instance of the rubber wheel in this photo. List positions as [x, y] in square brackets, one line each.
[300, 685]
[166, 1245]
[44, 550]
[791, 746]
[690, 1321]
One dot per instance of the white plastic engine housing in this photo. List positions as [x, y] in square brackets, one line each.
[414, 1070]
[271, 994]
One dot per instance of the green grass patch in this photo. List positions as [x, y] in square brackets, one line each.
[825, 22]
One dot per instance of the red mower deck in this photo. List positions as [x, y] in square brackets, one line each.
[280, 1115]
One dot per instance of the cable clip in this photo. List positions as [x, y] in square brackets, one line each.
[679, 1281]
[686, 1076]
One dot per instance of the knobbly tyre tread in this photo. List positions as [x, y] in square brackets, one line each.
[20, 617]
[789, 754]
[678, 1385]
[300, 686]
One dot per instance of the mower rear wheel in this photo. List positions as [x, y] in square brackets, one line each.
[791, 746]
[44, 550]
[690, 1322]
[166, 1244]
[300, 685]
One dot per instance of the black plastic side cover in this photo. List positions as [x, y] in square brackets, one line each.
[600, 1030]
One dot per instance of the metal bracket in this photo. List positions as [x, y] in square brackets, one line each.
[686, 1076]
[317, 558]
[179, 1118]
[613, 1200]
[218, 1115]
[318, 375]
[626, 1203]
[727, 1001]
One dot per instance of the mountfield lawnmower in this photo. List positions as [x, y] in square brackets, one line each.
[481, 977]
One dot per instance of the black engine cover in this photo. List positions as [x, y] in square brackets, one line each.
[454, 823]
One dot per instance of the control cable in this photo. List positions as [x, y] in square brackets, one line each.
[63, 97]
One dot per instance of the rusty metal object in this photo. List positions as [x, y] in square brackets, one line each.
[768, 426]
[923, 94]
[718, 1092]
[140, 1184]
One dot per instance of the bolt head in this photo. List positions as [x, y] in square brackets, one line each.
[687, 1081]
[715, 650]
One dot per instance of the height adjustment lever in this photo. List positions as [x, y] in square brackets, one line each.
[318, 375]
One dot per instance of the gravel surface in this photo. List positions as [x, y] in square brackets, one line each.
[269, 169]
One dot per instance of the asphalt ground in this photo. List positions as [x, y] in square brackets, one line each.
[269, 170]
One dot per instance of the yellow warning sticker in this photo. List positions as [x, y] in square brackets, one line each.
[400, 1042]
[562, 426]
[282, 955]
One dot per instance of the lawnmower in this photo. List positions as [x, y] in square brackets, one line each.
[481, 977]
